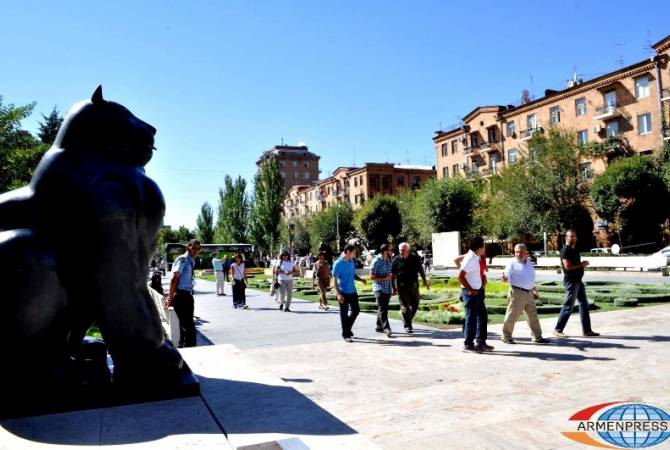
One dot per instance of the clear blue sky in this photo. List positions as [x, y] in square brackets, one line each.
[223, 81]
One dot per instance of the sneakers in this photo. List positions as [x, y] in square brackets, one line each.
[326, 307]
[379, 330]
[541, 341]
[560, 334]
[409, 330]
[508, 340]
[484, 348]
[591, 334]
[281, 307]
[245, 307]
[388, 333]
[287, 310]
[470, 348]
[320, 306]
[348, 339]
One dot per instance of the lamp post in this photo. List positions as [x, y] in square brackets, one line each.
[337, 226]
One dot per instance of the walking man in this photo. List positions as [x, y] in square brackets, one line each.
[472, 293]
[181, 293]
[405, 270]
[217, 264]
[380, 272]
[344, 273]
[573, 272]
[520, 273]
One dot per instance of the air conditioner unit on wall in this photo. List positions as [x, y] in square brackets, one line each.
[597, 128]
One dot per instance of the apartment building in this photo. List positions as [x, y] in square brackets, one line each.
[297, 165]
[632, 102]
[354, 185]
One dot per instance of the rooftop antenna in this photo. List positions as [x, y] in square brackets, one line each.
[407, 153]
[532, 88]
[282, 141]
[620, 60]
[647, 46]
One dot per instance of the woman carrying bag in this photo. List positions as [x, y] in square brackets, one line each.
[322, 275]
[239, 282]
[284, 271]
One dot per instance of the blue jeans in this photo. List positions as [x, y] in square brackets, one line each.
[574, 290]
[476, 317]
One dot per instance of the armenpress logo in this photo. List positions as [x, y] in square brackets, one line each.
[626, 425]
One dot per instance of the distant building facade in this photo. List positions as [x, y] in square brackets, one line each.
[297, 165]
[354, 185]
[632, 103]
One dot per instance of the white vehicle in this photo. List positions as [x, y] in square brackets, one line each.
[602, 250]
[663, 252]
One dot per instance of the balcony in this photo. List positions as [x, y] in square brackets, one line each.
[488, 146]
[489, 171]
[666, 133]
[607, 111]
[527, 134]
[665, 95]
[472, 174]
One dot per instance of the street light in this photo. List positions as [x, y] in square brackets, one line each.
[337, 226]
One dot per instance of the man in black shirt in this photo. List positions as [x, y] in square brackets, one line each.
[573, 270]
[404, 277]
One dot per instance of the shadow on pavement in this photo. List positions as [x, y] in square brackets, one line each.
[401, 343]
[548, 356]
[238, 407]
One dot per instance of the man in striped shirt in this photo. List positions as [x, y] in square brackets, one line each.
[380, 272]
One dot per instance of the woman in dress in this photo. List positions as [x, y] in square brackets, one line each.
[322, 277]
[239, 282]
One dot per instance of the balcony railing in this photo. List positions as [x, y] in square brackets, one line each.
[527, 134]
[488, 146]
[607, 110]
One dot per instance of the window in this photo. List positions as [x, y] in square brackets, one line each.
[492, 134]
[613, 128]
[512, 155]
[554, 114]
[585, 170]
[401, 178]
[355, 181]
[493, 163]
[295, 163]
[454, 146]
[445, 173]
[583, 137]
[610, 101]
[360, 180]
[295, 175]
[510, 129]
[454, 170]
[475, 168]
[306, 164]
[306, 175]
[282, 163]
[445, 149]
[417, 181]
[644, 123]
[642, 87]
[474, 141]
[531, 121]
[580, 106]
[283, 174]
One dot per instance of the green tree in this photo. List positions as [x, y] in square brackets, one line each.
[48, 128]
[295, 233]
[166, 235]
[233, 211]
[205, 224]
[448, 204]
[379, 221]
[415, 228]
[633, 195]
[267, 206]
[20, 152]
[323, 226]
[183, 234]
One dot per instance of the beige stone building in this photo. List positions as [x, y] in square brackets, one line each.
[354, 185]
[297, 165]
[632, 102]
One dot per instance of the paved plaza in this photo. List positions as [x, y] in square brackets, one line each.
[271, 376]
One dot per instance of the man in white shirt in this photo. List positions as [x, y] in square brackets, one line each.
[472, 292]
[520, 273]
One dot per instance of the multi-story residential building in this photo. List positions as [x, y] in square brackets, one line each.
[354, 185]
[632, 102]
[297, 165]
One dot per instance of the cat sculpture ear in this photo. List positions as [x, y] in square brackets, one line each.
[97, 95]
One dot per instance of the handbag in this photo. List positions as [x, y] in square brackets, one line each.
[276, 284]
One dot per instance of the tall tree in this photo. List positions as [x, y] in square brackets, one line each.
[232, 224]
[379, 221]
[323, 226]
[295, 233]
[48, 128]
[267, 206]
[19, 150]
[184, 235]
[633, 195]
[448, 204]
[205, 224]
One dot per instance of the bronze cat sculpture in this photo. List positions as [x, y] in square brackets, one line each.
[75, 245]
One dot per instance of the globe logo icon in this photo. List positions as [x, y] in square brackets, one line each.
[635, 412]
